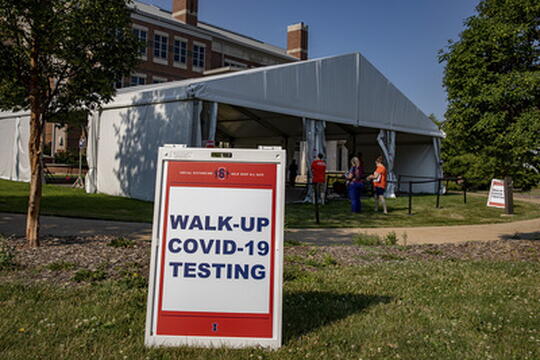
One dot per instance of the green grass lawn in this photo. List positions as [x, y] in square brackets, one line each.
[65, 201]
[452, 212]
[395, 310]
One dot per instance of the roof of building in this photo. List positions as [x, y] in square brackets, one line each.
[213, 30]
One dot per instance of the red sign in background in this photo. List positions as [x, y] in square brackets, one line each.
[212, 324]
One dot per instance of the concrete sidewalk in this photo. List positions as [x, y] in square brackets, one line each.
[14, 224]
[527, 229]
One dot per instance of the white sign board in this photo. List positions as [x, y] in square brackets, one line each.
[216, 266]
[496, 194]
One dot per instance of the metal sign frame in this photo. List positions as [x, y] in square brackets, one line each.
[198, 327]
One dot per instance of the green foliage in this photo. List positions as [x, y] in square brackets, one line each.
[329, 260]
[396, 310]
[293, 272]
[86, 275]
[70, 202]
[61, 266]
[80, 47]
[365, 239]
[121, 242]
[131, 277]
[391, 238]
[7, 255]
[70, 158]
[292, 243]
[492, 78]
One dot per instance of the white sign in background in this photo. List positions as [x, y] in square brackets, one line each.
[216, 292]
[496, 194]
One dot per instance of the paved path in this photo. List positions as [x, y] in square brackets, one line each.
[424, 235]
[14, 224]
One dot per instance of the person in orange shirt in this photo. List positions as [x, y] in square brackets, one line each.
[379, 184]
[318, 171]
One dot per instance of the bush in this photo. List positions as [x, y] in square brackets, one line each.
[70, 157]
[365, 239]
[390, 238]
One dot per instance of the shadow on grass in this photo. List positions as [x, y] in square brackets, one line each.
[82, 205]
[306, 311]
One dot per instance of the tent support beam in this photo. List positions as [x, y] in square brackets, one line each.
[262, 122]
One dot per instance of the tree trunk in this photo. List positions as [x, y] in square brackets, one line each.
[35, 146]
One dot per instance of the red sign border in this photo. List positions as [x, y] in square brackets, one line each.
[244, 325]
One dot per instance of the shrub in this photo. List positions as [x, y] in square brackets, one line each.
[69, 157]
[365, 239]
[390, 238]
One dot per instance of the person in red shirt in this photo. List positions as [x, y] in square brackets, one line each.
[318, 171]
[379, 184]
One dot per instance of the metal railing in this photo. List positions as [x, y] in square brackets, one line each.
[459, 180]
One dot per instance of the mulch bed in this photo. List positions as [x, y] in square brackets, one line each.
[59, 260]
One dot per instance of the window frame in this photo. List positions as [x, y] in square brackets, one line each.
[160, 59]
[142, 54]
[195, 57]
[139, 75]
[180, 64]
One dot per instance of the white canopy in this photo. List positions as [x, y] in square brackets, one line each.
[345, 89]
[257, 106]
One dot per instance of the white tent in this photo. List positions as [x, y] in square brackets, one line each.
[342, 97]
[14, 134]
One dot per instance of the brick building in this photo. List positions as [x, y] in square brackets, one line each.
[179, 46]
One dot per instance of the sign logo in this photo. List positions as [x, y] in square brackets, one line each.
[221, 173]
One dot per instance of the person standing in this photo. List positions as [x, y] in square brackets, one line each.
[355, 184]
[379, 184]
[318, 171]
[293, 172]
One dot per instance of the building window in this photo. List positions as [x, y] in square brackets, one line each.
[158, 80]
[160, 47]
[137, 79]
[119, 83]
[142, 35]
[198, 57]
[180, 51]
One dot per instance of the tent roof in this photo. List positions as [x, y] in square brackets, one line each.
[345, 89]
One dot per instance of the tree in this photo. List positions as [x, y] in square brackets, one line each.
[58, 57]
[492, 78]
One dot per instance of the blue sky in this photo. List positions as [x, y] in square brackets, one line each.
[401, 38]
